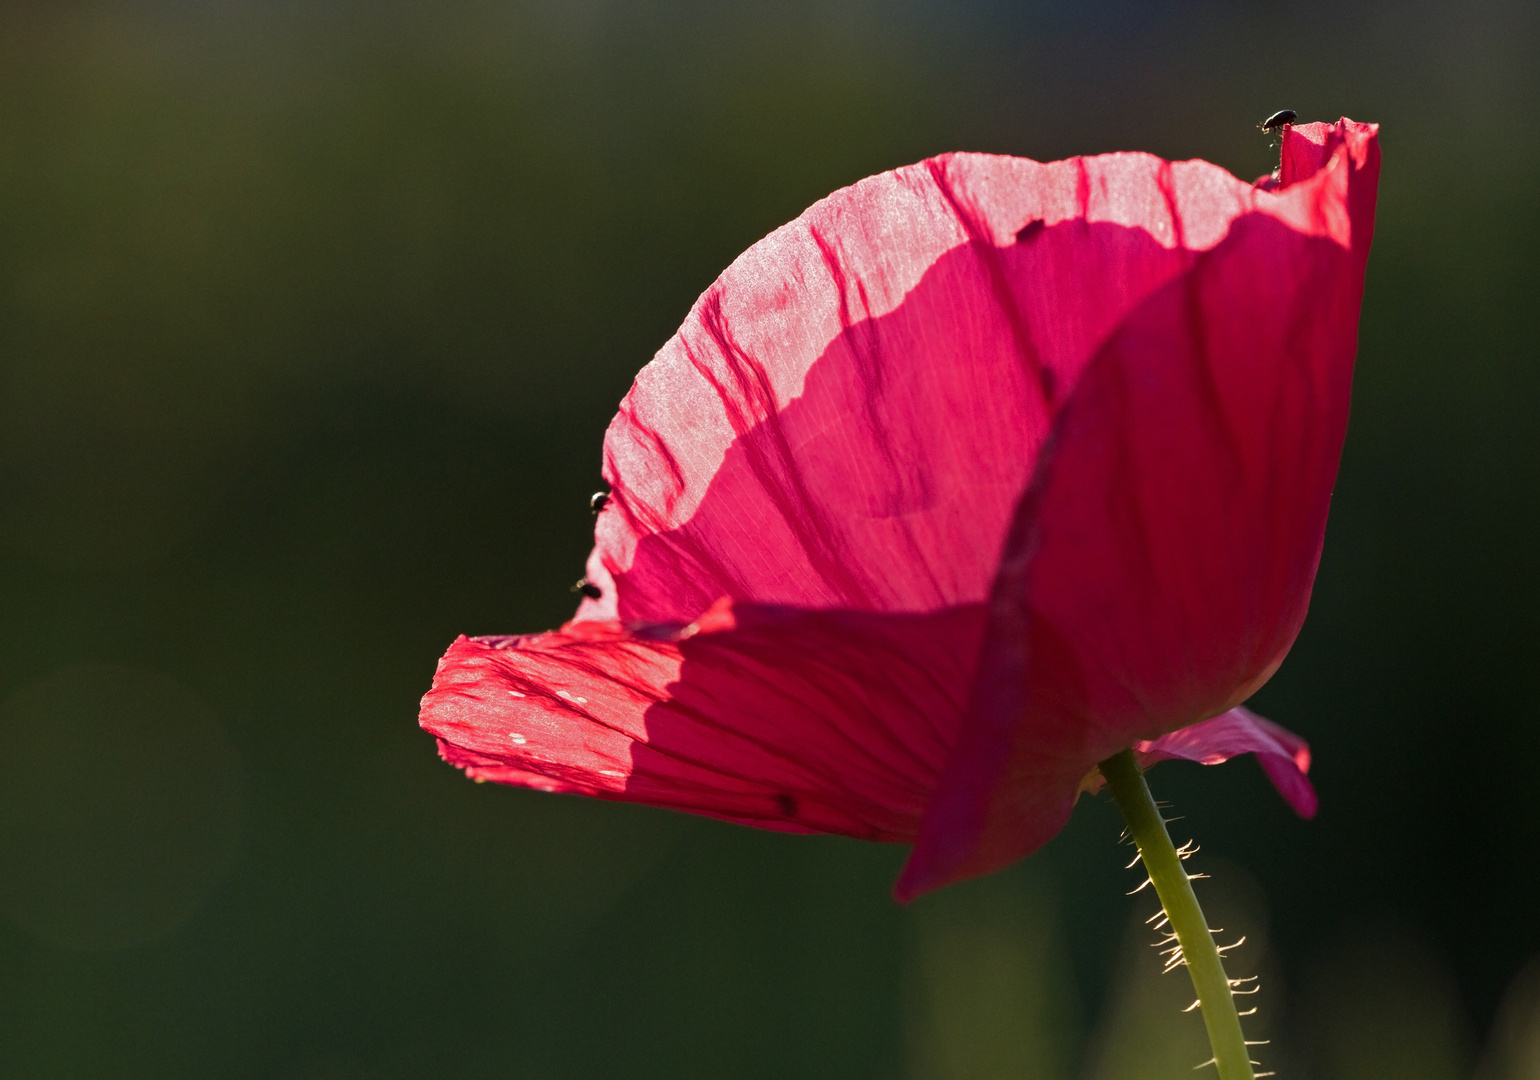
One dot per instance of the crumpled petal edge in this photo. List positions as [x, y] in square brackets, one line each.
[1283, 755]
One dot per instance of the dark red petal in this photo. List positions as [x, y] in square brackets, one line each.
[1308, 148]
[1160, 564]
[1285, 757]
[848, 416]
[797, 720]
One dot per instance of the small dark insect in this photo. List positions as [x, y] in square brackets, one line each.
[1030, 231]
[599, 501]
[587, 588]
[1278, 119]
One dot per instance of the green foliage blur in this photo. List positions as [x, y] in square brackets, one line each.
[312, 317]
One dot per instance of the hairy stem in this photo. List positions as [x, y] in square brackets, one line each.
[1164, 865]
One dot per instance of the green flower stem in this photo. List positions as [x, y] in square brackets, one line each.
[1171, 883]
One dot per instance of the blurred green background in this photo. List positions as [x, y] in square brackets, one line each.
[312, 316]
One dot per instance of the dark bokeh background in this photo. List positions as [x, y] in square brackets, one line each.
[312, 316]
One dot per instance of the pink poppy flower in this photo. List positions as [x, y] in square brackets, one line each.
[976, 473]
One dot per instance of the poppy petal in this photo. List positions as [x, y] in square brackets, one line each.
[848, 416]
[1284, 756]
[782, 718]
[1159, 565]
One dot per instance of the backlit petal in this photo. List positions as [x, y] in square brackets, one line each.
[1160, 564]
[849, 415]
[1284, 756]
[787, 719]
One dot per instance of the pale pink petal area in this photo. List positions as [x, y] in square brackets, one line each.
[1160, 564]
[849, 414]
[782, 718]
[1284, 756]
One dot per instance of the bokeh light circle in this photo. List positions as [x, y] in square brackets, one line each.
[120, 805]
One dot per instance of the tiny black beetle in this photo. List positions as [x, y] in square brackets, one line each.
[1278, 119]
[598, 501]
[587, 588]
